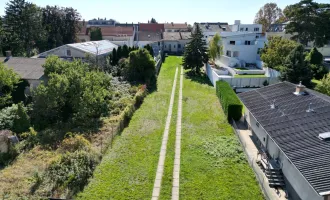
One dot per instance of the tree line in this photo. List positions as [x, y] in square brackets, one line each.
[27, 29]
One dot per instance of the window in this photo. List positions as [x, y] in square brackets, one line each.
[232, 42]
[264, 139]
[68, 52]
[158, 43]
[247, 42]
[179, 46]
[174, 46]
[242, 29]
[246, 29]
[259, 51]
[224, 29]
[256, 29]
[235, 54]
[228, 53]
[165, 46]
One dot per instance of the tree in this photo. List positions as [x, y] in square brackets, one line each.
[113, 57]
[22, 120]
[150, 49]
[296, 68]
[275, 52]
[324, 86]
[268, 14]
[140, 68]
[23, 27]
[119, 53]
[308, 23]
[153, 21]
[8, 81]
[195, 52]
[125, 51]
[215, 47]
[95, 34]
[315, 59]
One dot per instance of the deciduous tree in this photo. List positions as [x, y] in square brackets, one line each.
[315, 59]
[8, 81]
[153, 21]
[268, 14]
[95, 34]
[324, 86]
[195, 54]
[215, 47]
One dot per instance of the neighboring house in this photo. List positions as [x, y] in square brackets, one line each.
[279, 30]
[119, 35]
[174, 42]
[149, 37]
[101, 22]
[151, 27]
[79, 50]
[209, 29]
[175, 27]
[238, 27]
[83, 33]
[292, 127]
[29, 69]
[243, 46]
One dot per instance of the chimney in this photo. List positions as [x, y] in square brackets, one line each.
[8, 54]
[84, 22]
[172, 23]
[300, 89]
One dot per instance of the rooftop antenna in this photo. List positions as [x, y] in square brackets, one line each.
[310, 109]
[272, 106]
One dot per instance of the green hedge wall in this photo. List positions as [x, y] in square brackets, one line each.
[231, 105]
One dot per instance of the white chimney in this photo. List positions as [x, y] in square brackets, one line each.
[300, 89]
[237, 22]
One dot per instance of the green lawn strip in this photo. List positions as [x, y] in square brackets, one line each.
[213, 165]
[166, 189]
[250, 76]
[128, 170]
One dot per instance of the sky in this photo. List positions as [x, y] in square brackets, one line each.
[178, 11]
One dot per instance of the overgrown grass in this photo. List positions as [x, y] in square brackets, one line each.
[213, 165]
[128, 170]
[250, 76]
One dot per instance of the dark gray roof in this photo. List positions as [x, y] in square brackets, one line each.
[149, 36]
[214, 26]
[27, 68]
[293, 129]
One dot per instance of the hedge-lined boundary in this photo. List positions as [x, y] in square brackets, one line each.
[231, 105]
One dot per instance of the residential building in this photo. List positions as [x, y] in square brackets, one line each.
[79, 50]
[152, 38]
[209, 29]
[151, 27]
[119, 35]
[83, 33]
[175, 42]
[176, 27]
[101, 22]
[279, 30]
[292, 128]
[243, 46]
[238, 27]
[29, 69]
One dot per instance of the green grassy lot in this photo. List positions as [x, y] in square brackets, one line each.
[128, 170]
[213, 165]
[250, 76]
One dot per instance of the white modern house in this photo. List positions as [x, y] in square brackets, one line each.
[79, 50]
[238, 27]
[243, 46]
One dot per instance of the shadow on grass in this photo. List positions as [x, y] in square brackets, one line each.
[199, 78]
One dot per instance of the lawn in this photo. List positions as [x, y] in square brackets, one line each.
[213, 165]
[250, 76]
[128, 170]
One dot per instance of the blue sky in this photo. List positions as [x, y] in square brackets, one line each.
[166, 10]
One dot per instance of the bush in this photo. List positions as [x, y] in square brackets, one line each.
[30, 139]
[22, 120]
[72, 170]
[75, 143]
[7, 116]
[230, 103]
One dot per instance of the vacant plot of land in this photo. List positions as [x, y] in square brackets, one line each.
[213, 165]
[128, 170]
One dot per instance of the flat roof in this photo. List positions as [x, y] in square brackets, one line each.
[104, 46]
[294, 130]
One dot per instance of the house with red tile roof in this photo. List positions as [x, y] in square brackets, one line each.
[151, 27]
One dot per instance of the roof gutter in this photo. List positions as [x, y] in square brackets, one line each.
[284, 153]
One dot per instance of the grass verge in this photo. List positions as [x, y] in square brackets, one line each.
[128, 170]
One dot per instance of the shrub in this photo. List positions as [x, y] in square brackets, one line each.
[75, 143]
[22, 120]
[231, 105]
[7, 116]
[30, 139]
[72, 170]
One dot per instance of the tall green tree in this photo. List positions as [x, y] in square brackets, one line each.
[95, 34]
[296, 68]
[308, 23]
[125, 51]
[195, 54]
[119, 53]
[22, 120]
[315, 59]
[23, 27]
[215, 47]
[324, 86]
[275, 52]
[150, 49]
[268, 14]
[153, 21]
[8, 81]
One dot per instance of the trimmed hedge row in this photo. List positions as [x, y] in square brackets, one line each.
[231, 105]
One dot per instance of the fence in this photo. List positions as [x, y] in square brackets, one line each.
[263, 183]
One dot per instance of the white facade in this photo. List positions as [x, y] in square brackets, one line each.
[238, 27]
[243, 46]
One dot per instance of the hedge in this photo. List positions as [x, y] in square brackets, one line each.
[231, 105]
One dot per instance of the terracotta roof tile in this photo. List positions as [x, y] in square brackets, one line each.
[175, 26]
[151, 27]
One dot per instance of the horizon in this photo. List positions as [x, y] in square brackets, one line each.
[125, 10]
